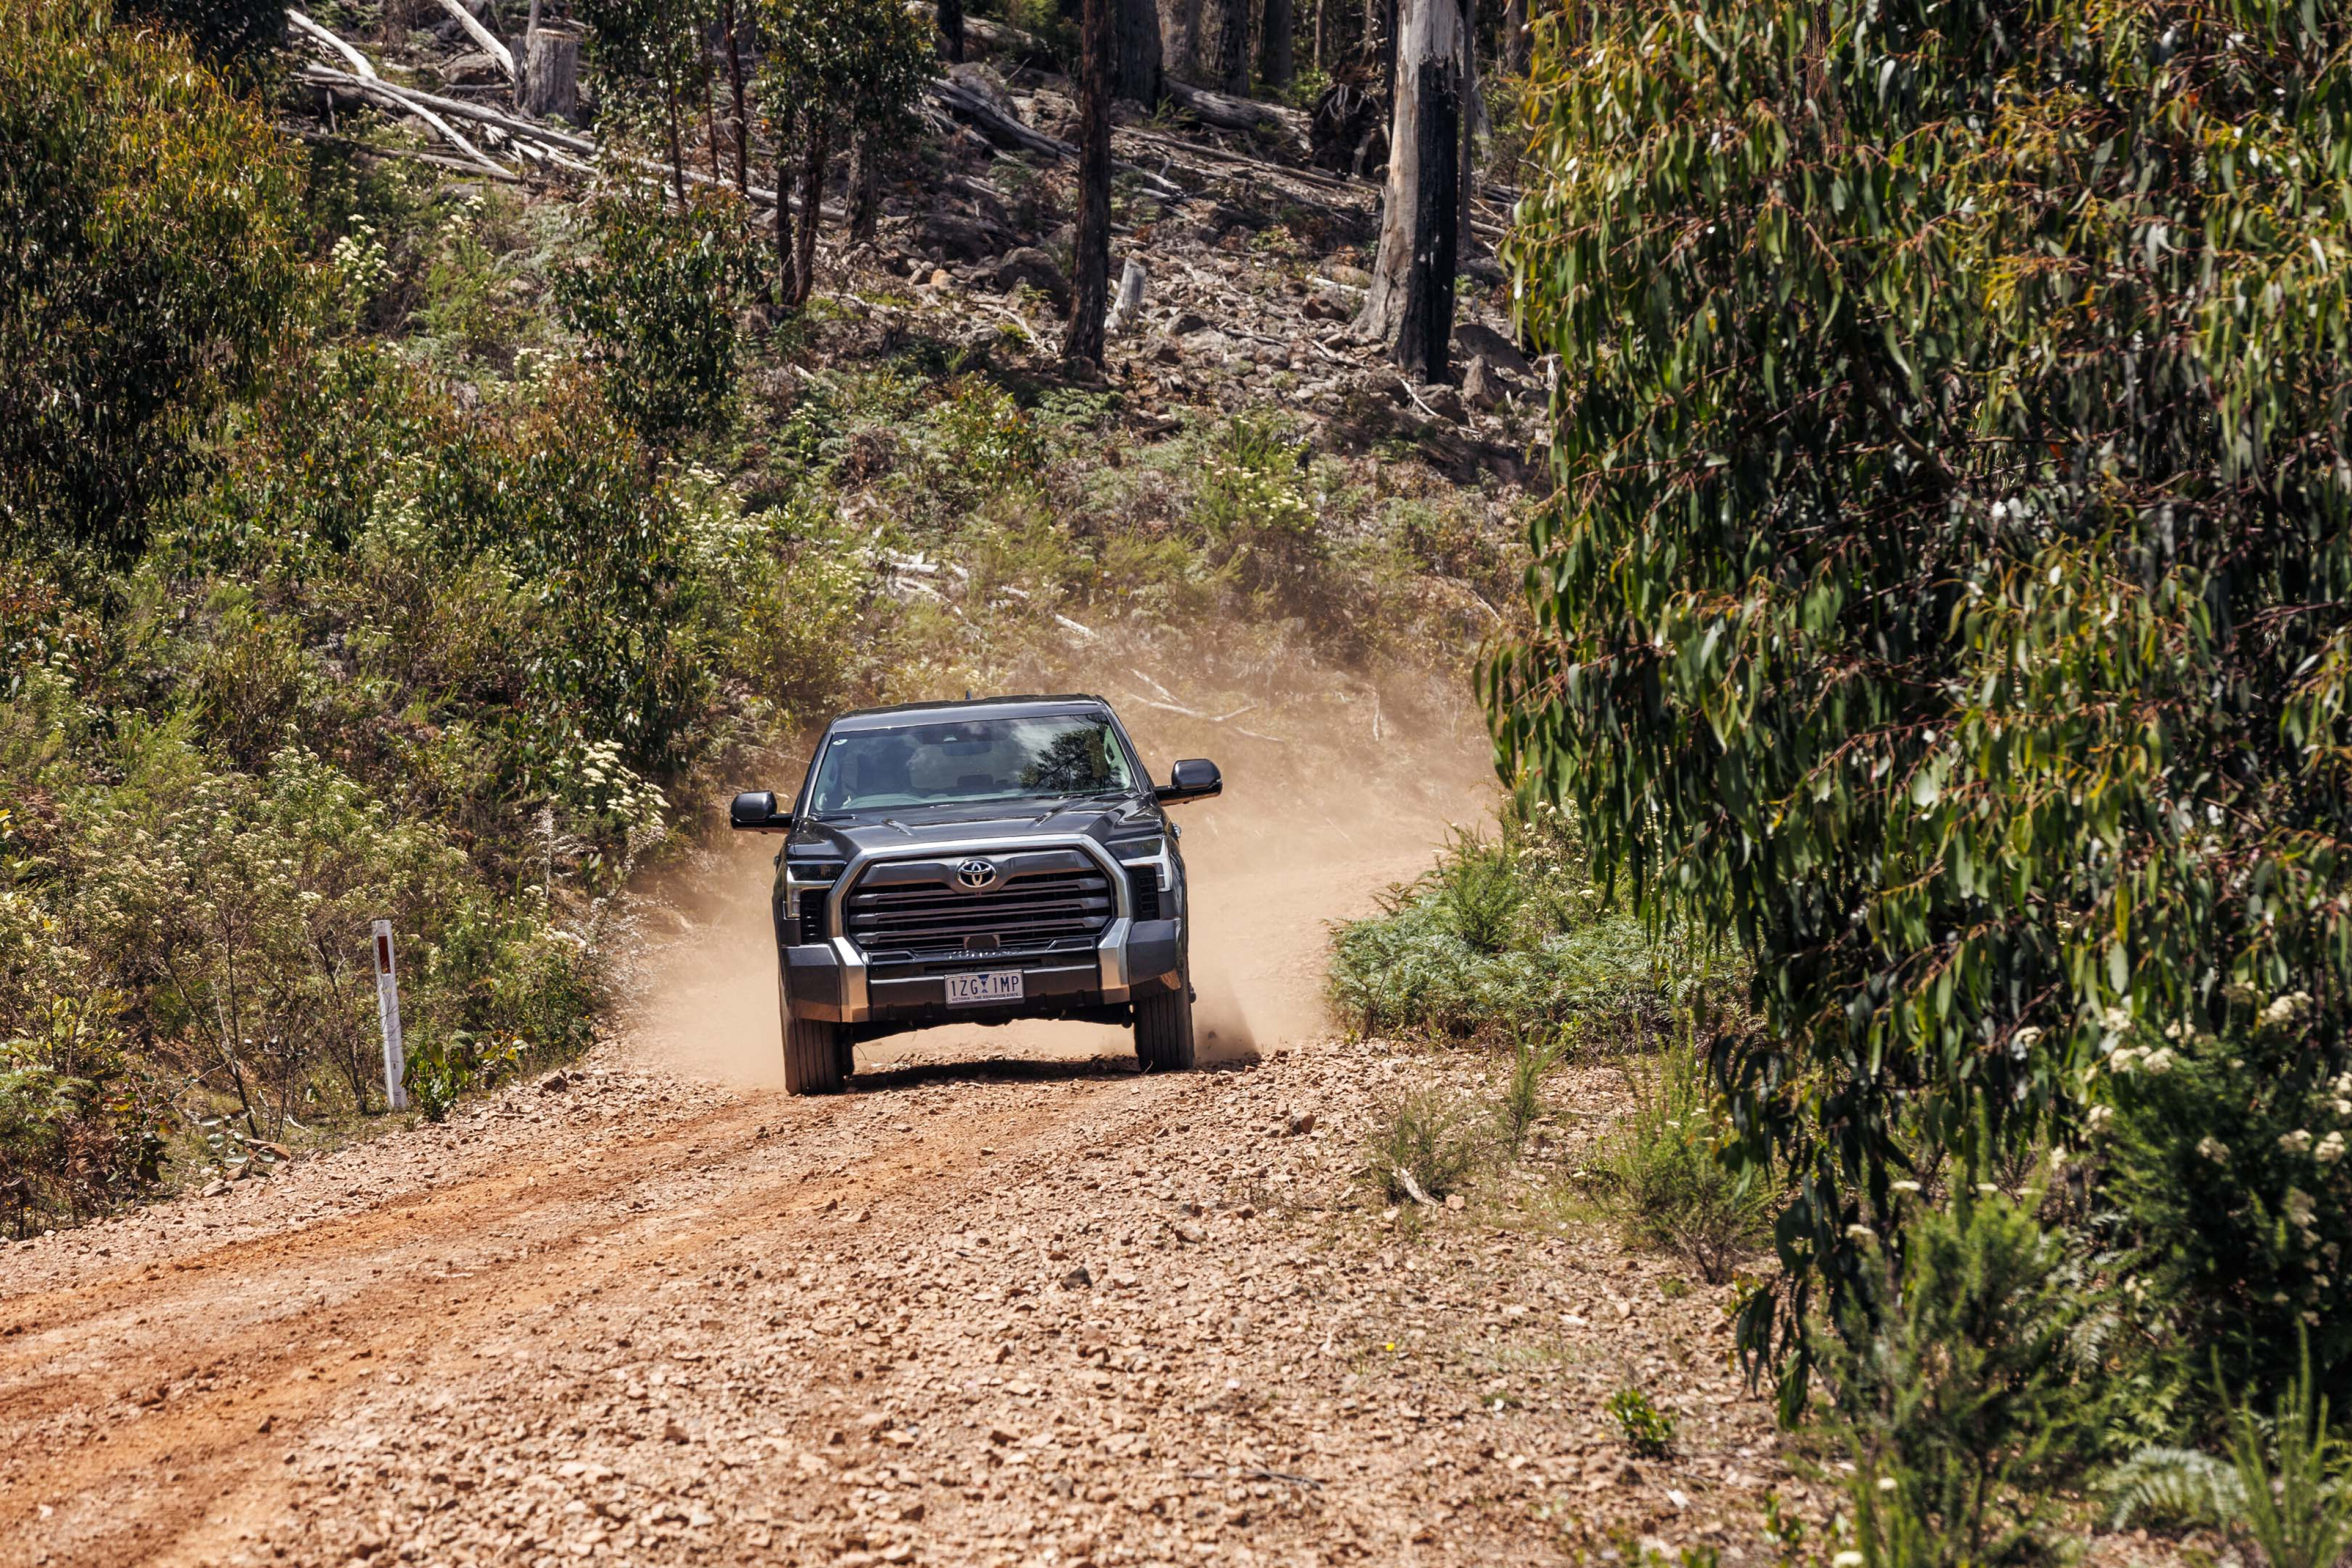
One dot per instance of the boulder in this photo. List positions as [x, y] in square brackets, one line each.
[1483, 386]
[1473, 340]
[956, 237]
[1033, 266]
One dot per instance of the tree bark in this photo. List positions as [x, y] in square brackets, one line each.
[1090, 256]
[551, 75]
[949, 15]
[1465, 179]
[1134, 70]
[784, 295]
[814, 150]
[1180, 38]
[1410, 305]
[735, 81]
[864, 186]
[1277, 55]
[1519, 45]
[1229, 63]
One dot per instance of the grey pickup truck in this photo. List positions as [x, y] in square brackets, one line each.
[977, 863]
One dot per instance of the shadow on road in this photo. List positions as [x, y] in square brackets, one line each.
[1016, 1070]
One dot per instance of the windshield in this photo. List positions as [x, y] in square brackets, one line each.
[970, 760]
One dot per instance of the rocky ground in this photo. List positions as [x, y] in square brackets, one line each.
[987, 1312]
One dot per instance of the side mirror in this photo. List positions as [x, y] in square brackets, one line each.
[756, 812]
[1193, 779]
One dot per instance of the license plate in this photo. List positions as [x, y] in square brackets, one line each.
[994, 986]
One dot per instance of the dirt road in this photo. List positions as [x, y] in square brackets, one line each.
[1009, 1301]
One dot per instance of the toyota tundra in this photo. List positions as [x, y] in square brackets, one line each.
[977, 863]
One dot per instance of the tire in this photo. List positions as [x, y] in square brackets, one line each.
[815, 1054]
[1164, 1027]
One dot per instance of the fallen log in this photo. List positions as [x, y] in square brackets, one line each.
[381, 92]
[482, 35]
[360, 63]
[1004, 132]
[1227, 113]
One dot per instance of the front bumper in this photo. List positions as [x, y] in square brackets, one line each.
[833, 981]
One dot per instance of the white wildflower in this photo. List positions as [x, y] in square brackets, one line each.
[1905, 1186]
[2158, 1062]
[2214, 1149]
[2025, 1039]
[2098, 1116]
[2330, 1149]
[1846, 1560]
[2296, 1142]
[2117, 1020]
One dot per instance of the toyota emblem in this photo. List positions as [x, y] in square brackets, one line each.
[976, 874]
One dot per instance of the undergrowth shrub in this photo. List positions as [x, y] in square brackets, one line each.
[1966, 1389]
[2229, 1197]
[1506, 935]
[1661, 1169]
[1429, 1135]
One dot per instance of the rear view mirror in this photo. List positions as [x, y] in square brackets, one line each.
[756, 812]
[1193, 779]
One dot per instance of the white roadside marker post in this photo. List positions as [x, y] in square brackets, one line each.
[387, 1012]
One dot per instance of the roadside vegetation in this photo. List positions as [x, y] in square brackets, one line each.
[1960, 677]
[381, 542]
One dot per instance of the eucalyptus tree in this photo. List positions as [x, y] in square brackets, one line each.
[1410, 305]
[1947, 594]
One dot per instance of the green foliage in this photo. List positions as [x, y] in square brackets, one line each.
[861, 62]
[1967, 1397]
[1946, 592]
[2299, 1516]
[1533, 1056]
[2231, 1196]
[1428, 1136]
[1662, 1169]
[656, 303]
[80, 1127]
[1647, 1430]
[1501, 934]
[147, 270]
[2173, 1488]
[240, 38]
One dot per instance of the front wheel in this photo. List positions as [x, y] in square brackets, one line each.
[1164, 1027]
[817, 1054]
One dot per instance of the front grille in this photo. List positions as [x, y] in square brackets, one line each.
[1143, 881]
[1039, 898]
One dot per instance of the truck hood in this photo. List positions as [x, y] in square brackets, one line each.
[897, 830]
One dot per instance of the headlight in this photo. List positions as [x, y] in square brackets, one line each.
[812, 874]
[1139, 848]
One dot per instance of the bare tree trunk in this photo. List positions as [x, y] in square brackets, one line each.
[1180, 38]
[1276, 58]
[784, 295]
[743, 115]
[1134, 70]
[551, 73]
[864, 186]
[1090, 256]
[815, 149]
[677, 147]
[522, 77]
[1519, 47]
[1409, 306]
[1465, 179]
[949, 15]
[1230, 62]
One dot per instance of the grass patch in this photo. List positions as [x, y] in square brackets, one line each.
[1660, 1176]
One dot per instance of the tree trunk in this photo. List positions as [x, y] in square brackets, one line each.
[864, 186]
[1466, 176]
[1409, 306]
[551, 73]
[949, 15]
[1180, 38]
[1277, 61]
[742, 114]
[1090, 256]
[784, 295]
[677, 147]
[1134, 70]
[1519, 45]
[815, 150]
[1229, 61]
[1321, 21]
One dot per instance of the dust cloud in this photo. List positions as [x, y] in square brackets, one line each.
[1317, 818]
